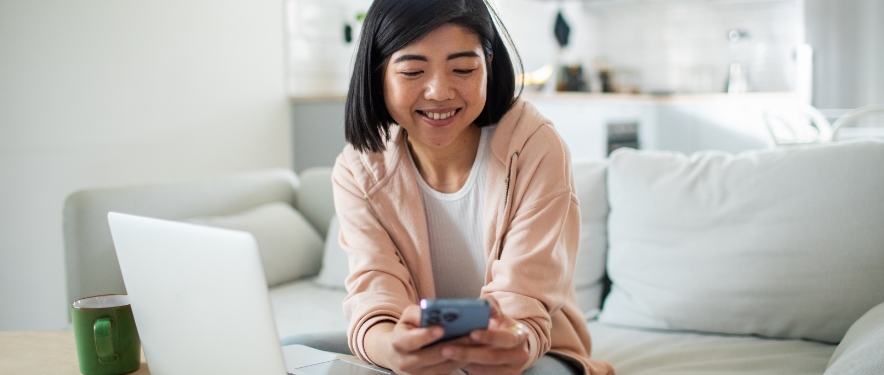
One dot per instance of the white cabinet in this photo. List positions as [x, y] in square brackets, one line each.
[582, 120]
[686, 123]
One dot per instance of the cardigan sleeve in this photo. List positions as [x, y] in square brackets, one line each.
[378, 285]
[532, 277]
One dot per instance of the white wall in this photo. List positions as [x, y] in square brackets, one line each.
[683, 46]
[319, 58]
[107, 92]
[848, 41]
[318, 132]
[531, 23]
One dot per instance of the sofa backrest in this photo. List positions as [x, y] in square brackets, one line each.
[589, 273]
[315, 199]
[90, 260]
[785, 243]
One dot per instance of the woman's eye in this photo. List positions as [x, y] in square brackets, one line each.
[412, 73]
[464, 71]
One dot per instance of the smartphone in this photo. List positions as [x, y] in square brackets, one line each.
[458, 317]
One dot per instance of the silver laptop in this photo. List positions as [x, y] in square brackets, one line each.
[201, 303]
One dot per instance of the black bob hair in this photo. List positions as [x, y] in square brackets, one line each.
[393, 24]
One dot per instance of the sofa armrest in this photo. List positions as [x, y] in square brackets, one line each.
[90, 260]
[862, 349]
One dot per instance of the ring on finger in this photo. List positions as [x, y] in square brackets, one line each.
[519, 329]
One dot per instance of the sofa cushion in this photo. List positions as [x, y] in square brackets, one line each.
[334, 260]
[290, 247]
[640, 351]
[589, 179]
[782, 243]
[862, 350]
[303, 306]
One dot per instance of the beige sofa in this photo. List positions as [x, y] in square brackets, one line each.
[758, 263]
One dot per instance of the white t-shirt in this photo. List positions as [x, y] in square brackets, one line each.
[454, 222]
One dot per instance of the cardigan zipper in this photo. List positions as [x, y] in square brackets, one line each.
[506, 206]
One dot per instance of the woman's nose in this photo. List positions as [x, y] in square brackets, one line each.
[439, 88]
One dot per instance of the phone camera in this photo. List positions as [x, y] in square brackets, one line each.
[450, 315]
[433, 316]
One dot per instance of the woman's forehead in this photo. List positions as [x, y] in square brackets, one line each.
[443, 40]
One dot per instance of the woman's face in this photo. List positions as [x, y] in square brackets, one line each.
[436, 86]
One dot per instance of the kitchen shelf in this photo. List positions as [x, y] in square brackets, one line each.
[613, 97]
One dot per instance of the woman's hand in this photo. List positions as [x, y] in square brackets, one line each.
[501, 349]
[403, 347]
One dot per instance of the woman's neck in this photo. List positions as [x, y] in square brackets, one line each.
[447, 169]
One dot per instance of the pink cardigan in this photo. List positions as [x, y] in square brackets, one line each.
[531, 231]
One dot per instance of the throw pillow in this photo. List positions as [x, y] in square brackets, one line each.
[589, 178]
[862, 350]
[334, 261]
[783, 243]
[290, 248]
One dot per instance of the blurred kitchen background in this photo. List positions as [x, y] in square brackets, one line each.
[118, 92]
[656, 68]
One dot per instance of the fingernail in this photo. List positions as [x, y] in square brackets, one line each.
[475, 336]
[438, 332]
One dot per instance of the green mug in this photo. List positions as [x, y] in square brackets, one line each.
[107, 340]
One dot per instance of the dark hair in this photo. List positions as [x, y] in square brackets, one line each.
[393, 24]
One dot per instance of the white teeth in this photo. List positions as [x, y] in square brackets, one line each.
[439, 116]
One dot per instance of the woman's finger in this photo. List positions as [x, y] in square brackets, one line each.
[408, 336]
[485, 355]
[513, 336]
[496, 313]
[411, 316]
[414, 362]
[429, 360]
[412, 339]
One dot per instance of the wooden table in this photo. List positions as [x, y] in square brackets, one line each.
[42, 352]
[55, 353]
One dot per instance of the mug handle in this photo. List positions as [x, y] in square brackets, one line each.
[104, 344]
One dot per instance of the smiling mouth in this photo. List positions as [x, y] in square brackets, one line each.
[439, 115]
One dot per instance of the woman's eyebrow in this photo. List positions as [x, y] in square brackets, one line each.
[462, 54]
[409, 58]
[452, 56]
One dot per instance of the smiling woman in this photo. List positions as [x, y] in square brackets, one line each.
[452, 187]
[435, 88]
[390, 27]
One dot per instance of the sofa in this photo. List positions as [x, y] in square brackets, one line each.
[764, 262]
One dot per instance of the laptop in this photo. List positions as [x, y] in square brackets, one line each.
[201, 303]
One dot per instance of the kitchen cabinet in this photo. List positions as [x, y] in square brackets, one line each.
[681, 123]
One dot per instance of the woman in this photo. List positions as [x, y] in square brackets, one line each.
[451, 187]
